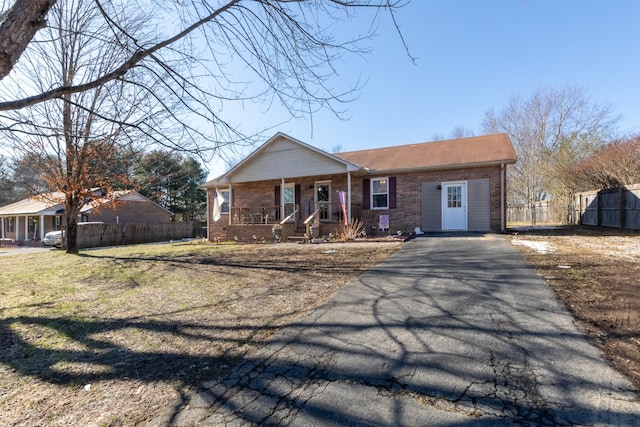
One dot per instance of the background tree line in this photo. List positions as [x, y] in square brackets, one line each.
[565, 143]
[170, 179]
[563, 140]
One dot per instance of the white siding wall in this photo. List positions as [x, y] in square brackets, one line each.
[431, 207]
[479, 205]
[286, 159]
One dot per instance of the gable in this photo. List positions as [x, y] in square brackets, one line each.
[283, 157]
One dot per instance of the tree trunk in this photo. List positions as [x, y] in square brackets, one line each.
[71, 236]
[19, 25]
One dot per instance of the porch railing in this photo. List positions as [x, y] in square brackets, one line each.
[327, 213]
[255, 215]
[333, 212]
[312, 221]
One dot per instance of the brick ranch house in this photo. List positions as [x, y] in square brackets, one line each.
[457, 185]
[30, 219]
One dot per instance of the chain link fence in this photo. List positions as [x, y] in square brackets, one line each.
[540, 214]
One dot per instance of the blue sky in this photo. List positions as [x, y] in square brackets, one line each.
[472, 56]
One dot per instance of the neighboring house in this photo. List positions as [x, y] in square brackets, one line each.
[32, 218]
[456, 185]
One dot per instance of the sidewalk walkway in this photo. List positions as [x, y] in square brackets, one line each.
[449, 331]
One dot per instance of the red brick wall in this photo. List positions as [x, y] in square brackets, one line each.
[130, 212]
[262, 193]
[408, 213]
[405, 217]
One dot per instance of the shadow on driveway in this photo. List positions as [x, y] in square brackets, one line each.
[450, 330]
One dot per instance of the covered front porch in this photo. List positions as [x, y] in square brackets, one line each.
[27, 228]
[295, 221]
[288, 184]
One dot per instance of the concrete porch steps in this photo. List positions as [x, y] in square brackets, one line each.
[299, 238]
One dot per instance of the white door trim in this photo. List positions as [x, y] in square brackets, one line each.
[456, 217]
[324, 206]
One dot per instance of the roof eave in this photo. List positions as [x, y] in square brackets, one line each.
[440, 167]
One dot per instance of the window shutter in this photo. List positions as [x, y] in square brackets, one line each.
[276, 192]
[298, 194]
[392, 192]
[366, 193]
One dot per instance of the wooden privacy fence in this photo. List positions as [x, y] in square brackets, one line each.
[615, 207]
[99, 235]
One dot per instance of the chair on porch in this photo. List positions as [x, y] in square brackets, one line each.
[245, 216]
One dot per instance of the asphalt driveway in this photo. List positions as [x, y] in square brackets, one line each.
[449, 331]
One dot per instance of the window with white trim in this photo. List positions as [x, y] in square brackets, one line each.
[380, 193]
[289, 194]
[224, 207]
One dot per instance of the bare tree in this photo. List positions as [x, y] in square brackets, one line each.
[456, 133]
[287, 43]
[461, 132]
[73, 142]
[615, 165]
[107, 74]
[551, 131]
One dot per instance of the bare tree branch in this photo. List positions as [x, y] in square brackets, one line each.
[19, 24]
[117, 73]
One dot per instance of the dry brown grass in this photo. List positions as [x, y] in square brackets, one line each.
[596, 272]
[121, 336]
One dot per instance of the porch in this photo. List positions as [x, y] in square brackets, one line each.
[256, 223]
[26, 228]
[292, 213]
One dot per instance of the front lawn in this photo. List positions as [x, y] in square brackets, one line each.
[121, 336]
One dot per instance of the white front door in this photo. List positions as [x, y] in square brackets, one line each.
[454, 206]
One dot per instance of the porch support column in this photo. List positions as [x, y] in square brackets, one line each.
[282, 200]
[2, 227]
[16, 227]
[26, 228]
[41, 227]
[503, 172]
[209, 214]
[349, 197]
[230, 205]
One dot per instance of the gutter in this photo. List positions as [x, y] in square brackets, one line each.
[502, 219]
[501, 163]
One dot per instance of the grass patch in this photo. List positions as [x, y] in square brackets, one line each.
[594, 271]
[120, 336]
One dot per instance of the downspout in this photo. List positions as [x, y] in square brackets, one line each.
[502, 207]
[349, 197]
